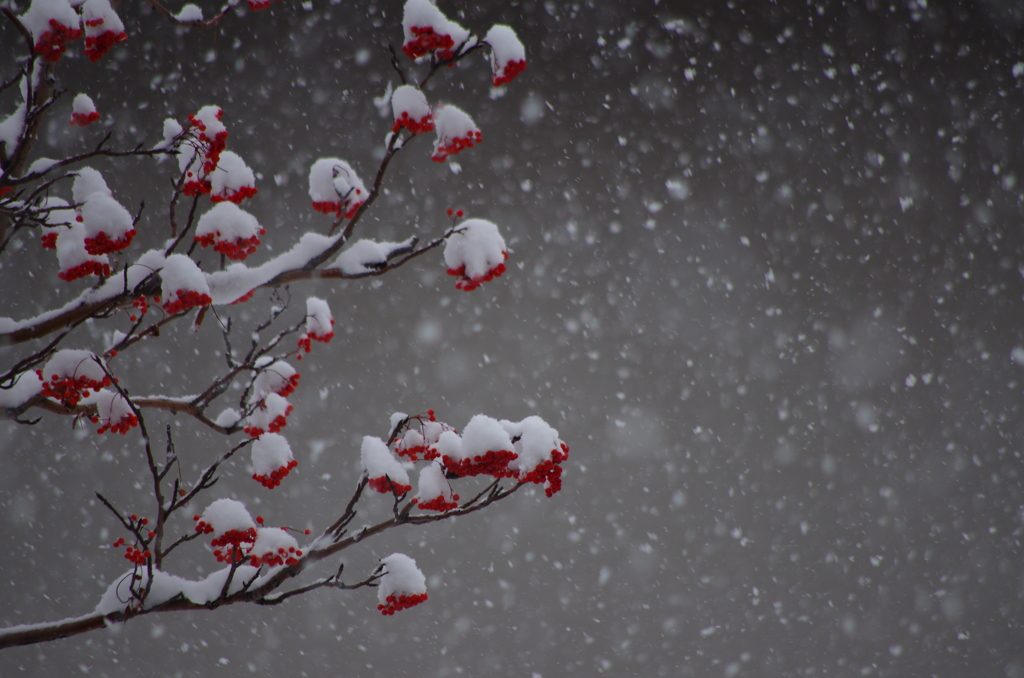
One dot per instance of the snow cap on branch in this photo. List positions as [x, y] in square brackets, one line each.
[232, 179]
[231, 230]
[334, 187]
[272, 460]
[386, 474]
[411, 110]
[87, 182]
[83, 111]
[428, 30]
[190, 14]
[53, 24]
[475, 253]
[402, 586]
[103, 28]
[434, 492]
[365, 256]
[456, 131]
[508, 56]
[184, 285]
[172, 129]
[226, 516]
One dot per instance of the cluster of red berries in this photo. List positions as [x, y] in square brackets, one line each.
[122, 426]
[70, 389]
[275, 426]
[52, 43]
[289, 386]
[97, 46]
[424, 124]
[385, 485]
[457, 145]
[235, 250]
[275, 477]
[305, 341]
[283, 556]
[83, 119]
[346, 208]
[186, 300]
[195, 186]
[511, 70]
[256, 5]
[49, 240]
[469, 284]
[457, 214]
[214, 146]
[236, 197]
[429, 452]
[549, 471]
[85, 268]
[141, 305]
[491, 463]
[231, 537]
[103, 244]
[438, 504]
[136, 556]
[427, 41]
[394, 603]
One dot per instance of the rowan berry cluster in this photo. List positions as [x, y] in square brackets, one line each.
[457, 145]
[438, 504]
[235, 250]
[424, 124]
[549, 471]
[469, 284]
[49, 240]
[283, 556]
[511, 70]
[385, 485]
[69, 389]
[104, 244]
[427, 41]
[305, 341]
[491, 463]
[275, 477]
[97, 46]
[122, 425]
[141, 305]
[53, 43]
[185, 300]
[83, 119]
[83, 269]
[236, 196]
[395, 604]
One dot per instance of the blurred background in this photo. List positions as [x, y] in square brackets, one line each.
[765, 278]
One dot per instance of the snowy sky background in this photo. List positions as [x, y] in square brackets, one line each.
[765, 277]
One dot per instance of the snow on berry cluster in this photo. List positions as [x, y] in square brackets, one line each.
[475, 253]
[274, 376]
[232, 180]
[233, 527]
[83, 111]
[508, 56]
[319, 324]
[456, 132]
[401, 586]
[103, 28]
[184, 285]
[108, 225]
[201, 150]
[411, 110]
[428, 30]
[270, 414]
[71, 375]
[435, 493]
[385, 473]
[335, 188]
[231, 230]
[114, 414]
[274, 547]
[55, 23]
[528, 451]
[272, 460]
